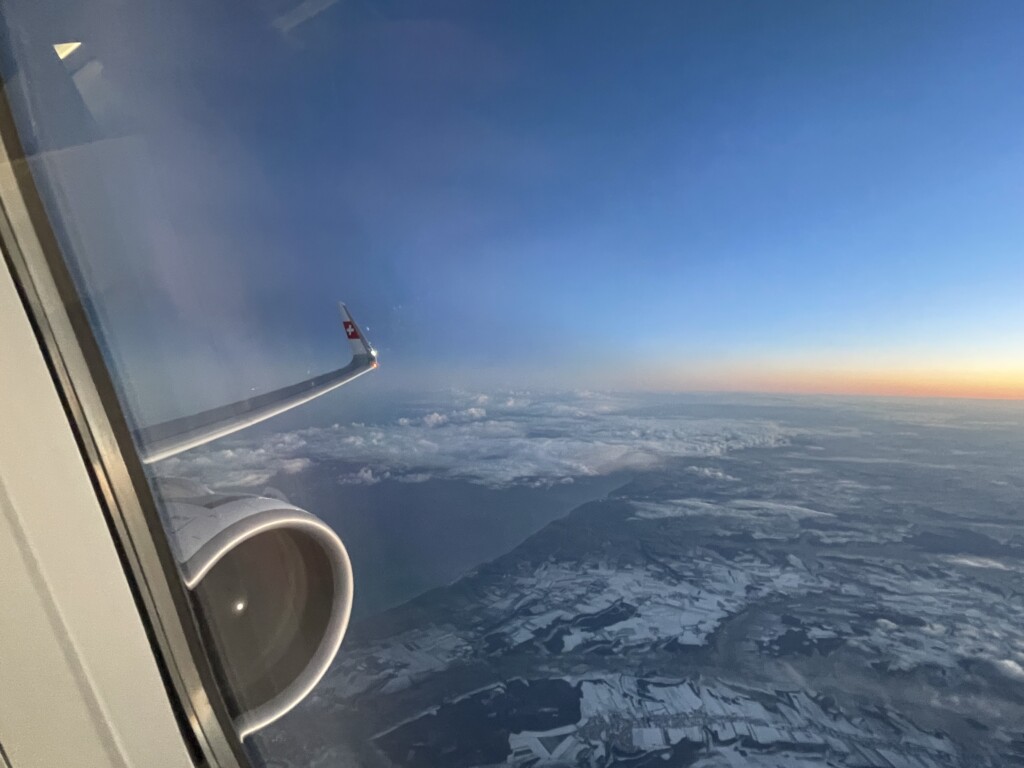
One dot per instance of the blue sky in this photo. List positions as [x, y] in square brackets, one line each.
[662, 194]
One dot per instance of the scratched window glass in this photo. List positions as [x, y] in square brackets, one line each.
[564, 383]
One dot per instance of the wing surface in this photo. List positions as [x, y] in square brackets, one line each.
[161, 441]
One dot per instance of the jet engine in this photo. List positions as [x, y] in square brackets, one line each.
[272, 585]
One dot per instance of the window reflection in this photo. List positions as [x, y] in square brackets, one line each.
[682, 452]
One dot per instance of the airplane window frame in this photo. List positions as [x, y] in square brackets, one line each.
[83, 381]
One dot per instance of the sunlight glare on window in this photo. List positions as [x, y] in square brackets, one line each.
[64, 50]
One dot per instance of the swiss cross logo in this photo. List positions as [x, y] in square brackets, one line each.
[350, 330]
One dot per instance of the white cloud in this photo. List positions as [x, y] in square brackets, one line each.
[978, 562]
[435, 419]
[364, 476]
[1011, 668]
[735, 508]
[711, 473]
[521, 440]
[294, 466]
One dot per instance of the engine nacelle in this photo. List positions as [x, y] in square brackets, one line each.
[273, 585]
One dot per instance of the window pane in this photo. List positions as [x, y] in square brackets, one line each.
[697, 436]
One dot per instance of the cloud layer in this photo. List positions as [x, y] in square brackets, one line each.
[516, 439]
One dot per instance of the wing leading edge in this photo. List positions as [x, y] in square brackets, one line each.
[161, 441]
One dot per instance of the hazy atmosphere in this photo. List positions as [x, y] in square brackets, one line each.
[799, 196]
[696, 438]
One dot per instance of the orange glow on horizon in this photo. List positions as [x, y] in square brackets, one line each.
[967, 382]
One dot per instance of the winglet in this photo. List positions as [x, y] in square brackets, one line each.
[356, 339]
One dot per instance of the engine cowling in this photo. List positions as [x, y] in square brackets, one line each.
[273, 587]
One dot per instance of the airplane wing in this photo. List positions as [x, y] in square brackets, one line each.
[161, 441]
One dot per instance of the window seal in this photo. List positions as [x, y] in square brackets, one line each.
[86, 389]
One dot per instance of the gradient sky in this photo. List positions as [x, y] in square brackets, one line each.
[805, 196]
